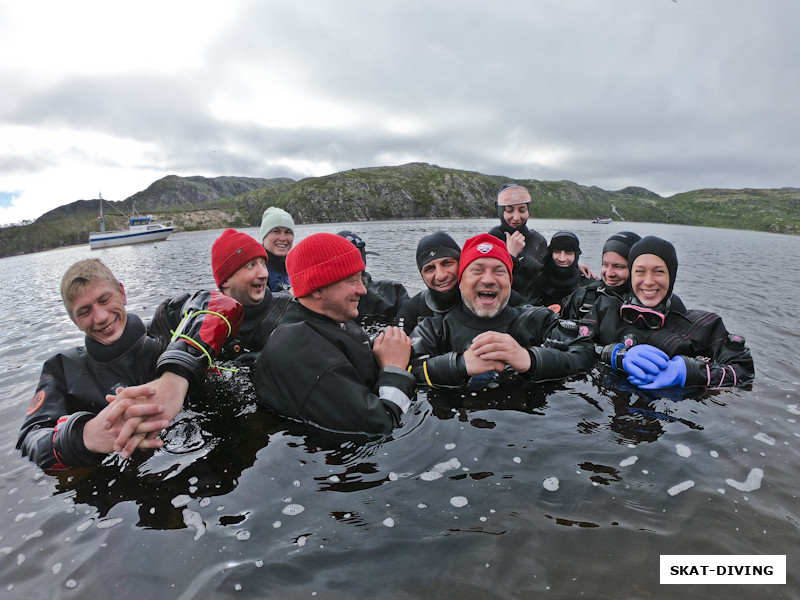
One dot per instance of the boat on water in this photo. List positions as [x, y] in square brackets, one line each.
[141, 229]
[603, 220]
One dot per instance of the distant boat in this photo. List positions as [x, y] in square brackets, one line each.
[603, 220]
[141, 228]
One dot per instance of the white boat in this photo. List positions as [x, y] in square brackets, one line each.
[603, 220]
[141, 228]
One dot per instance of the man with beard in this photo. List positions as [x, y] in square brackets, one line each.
[484, 334]
[437, 259]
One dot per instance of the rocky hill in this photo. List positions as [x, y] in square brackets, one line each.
[412, 191]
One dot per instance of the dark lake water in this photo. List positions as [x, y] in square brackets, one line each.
[567, 490]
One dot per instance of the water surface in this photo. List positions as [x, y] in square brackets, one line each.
[564, 490]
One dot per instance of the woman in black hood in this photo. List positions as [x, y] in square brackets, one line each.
[560, 276]
[527, 247]
[650, 336]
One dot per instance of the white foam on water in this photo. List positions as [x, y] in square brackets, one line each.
[181, 500]
[85, 525]
[35, 534]
[106, 523]
[792, 408]
[242, 535]
[752, 483]
[551, 484]
[683, 450]
[681, 487]
[517, 459]
[292, 510]
[763, 437]
[628, 461]
[193, 519]
[449, 446]
[459, 501]
[439, 469]
[388, 522]
[714, 454]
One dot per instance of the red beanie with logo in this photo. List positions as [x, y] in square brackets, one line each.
[319, 260]
[484, 246]
[231, 251]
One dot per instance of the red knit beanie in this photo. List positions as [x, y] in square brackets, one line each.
[484, 246]
[319, 260]
[231, 251]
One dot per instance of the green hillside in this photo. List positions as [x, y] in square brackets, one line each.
[412, 191]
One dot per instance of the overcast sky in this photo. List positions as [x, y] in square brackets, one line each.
[109, 96]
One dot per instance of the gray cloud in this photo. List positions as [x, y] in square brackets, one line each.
[669, 96]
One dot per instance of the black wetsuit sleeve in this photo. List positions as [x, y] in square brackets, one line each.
[722, 360]
[556, 350]
[409, 314]
[52, 432]
[432, 363]
[302, 375]
[207, 319]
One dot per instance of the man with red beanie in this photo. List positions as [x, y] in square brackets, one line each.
[484, 334]
[318, 366]
[240, 270]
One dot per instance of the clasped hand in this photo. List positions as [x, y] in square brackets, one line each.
[135, 416]
[493, 351]
[650, 368]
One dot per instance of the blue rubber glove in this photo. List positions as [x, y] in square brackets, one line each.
[643, 363]
[674, 375]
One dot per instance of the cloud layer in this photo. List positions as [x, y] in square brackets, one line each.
[671, 96]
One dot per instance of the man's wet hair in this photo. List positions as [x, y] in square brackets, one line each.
[81, 275]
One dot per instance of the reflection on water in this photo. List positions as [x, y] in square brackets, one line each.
[570, 489]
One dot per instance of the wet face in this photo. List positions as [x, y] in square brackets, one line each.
[485, 287]
[614, 270]
[563, 258]
[441, 274]
[99, 311]
[248, 284]
[649, 279]
[279, 241]
[516, 215]
[339, 300]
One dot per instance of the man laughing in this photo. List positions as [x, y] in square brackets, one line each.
[484, 334]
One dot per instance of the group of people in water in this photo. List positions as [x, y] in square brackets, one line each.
[507, 305]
